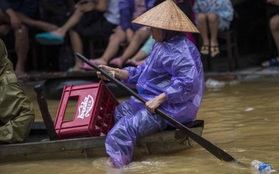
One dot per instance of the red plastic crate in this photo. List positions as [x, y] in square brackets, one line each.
[93, 113]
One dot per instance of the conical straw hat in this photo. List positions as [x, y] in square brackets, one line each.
[167, 16]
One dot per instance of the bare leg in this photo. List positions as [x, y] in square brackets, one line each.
[21, 47]
[202, 25]
[77, 46]
[21, 44]
[45, 26]
[213, 27]
[73, 20]
[274, 27]
[141, 55]
[138, 59]
[137, 40]
[113, 47]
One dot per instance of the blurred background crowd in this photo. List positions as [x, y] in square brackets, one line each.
[44, 35]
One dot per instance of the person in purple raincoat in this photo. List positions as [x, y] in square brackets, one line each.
[171, 78]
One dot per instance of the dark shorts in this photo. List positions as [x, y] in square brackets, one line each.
[27, 7]
[95, 29]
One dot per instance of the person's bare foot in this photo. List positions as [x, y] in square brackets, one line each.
[110, 163]
[96, 62]
[58, 32]
[116, 62]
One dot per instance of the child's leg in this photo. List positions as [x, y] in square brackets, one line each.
[72, 21]
[21, 48]
[77, 46]
[138, 39]
[274, 27]
[213, 27]
[202, 25]
[114, 43]
[45, 26]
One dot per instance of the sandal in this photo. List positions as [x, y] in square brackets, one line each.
[49, 39]
[271, 62]
[205, 49]
[214, 50]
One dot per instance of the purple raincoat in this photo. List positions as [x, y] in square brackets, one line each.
[173, 67]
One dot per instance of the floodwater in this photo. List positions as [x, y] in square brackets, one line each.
[242, 119]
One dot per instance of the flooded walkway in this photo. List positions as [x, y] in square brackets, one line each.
[241, 117]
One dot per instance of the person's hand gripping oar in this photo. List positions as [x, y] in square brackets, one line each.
[114, 72]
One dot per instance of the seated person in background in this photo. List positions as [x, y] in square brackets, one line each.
[91, 20]
[17, 15]
[138, 59]
[172, 79]
[273, 16]
[212, 16]
[17, 114]
[132, 34]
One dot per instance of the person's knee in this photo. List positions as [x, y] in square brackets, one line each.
[201, 18]
[274, 23]
[22, 33]
[212, 17]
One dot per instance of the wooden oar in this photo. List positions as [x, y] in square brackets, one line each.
[216, 151]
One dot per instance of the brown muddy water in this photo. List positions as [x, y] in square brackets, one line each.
[242, 119]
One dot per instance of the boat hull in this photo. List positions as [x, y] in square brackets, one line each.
[39, 147]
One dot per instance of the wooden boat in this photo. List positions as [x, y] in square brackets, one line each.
[39, 146]
[43, 142]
